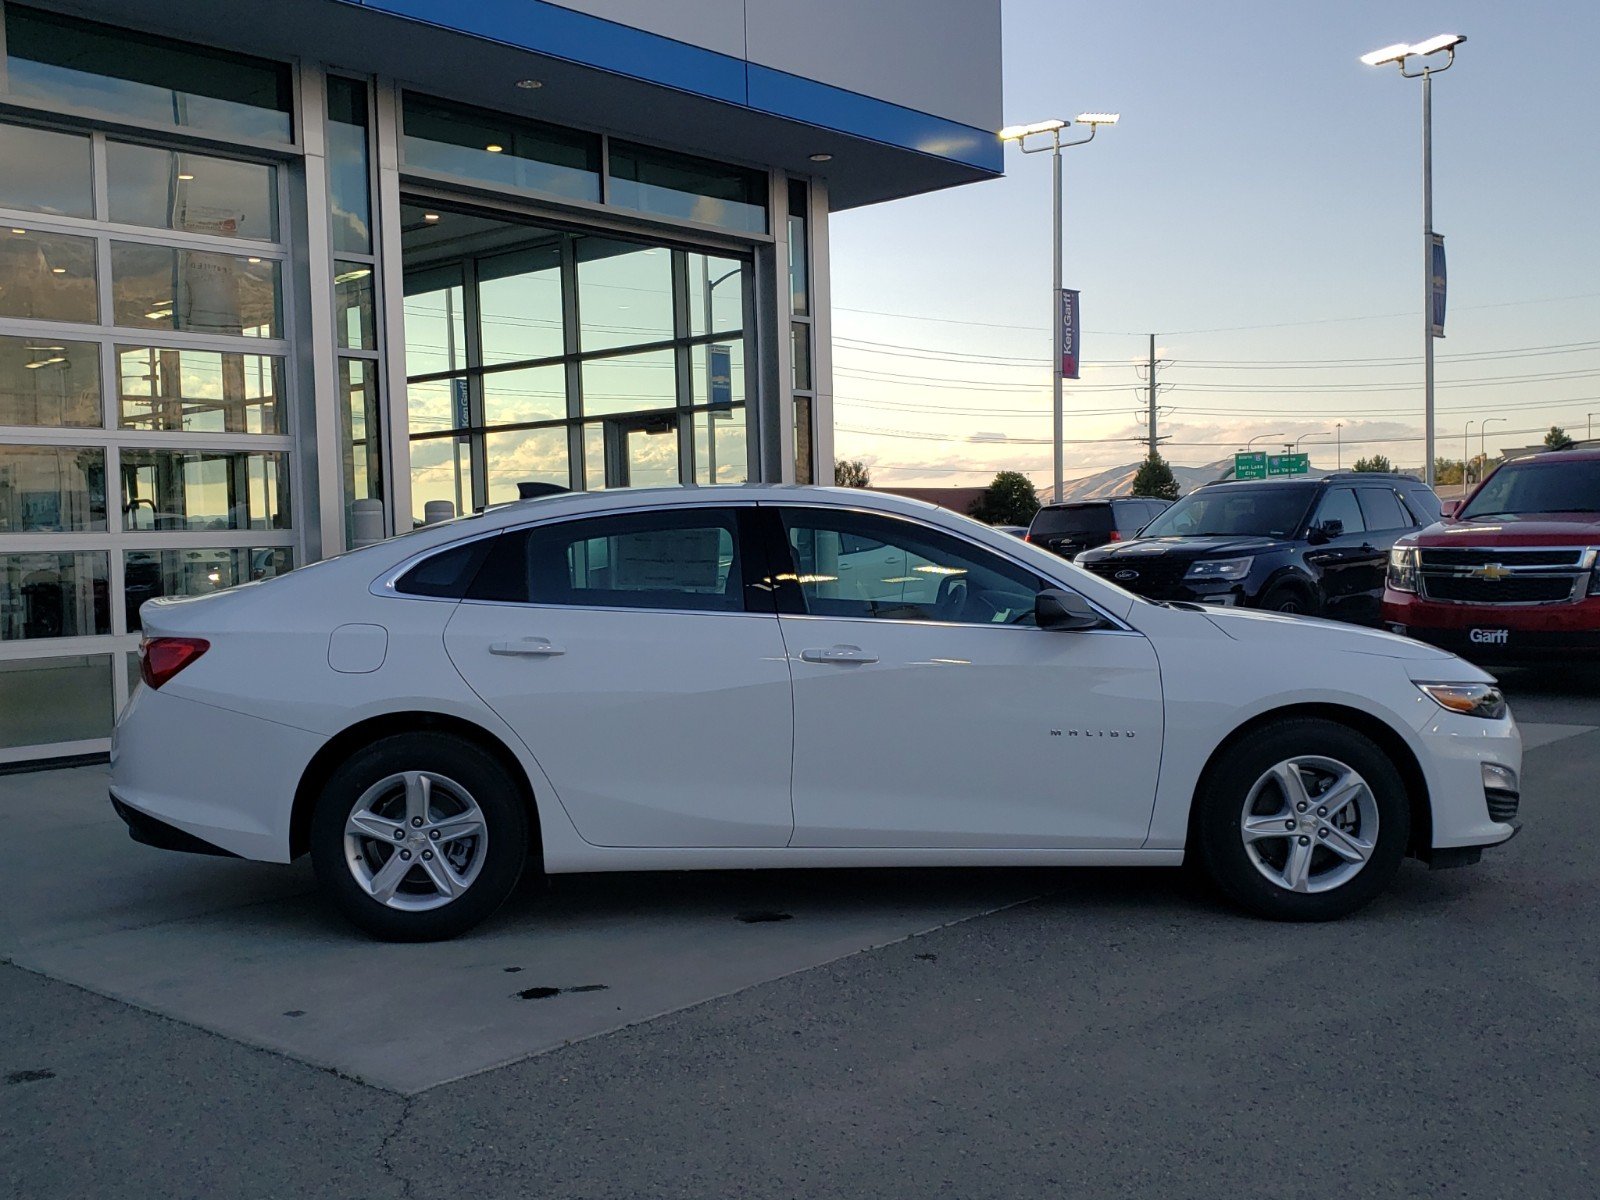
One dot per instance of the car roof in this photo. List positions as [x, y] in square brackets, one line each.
[1555, 456]
[1100, 500]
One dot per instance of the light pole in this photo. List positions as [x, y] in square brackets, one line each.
[1590, 418]
[1257, 438]
[1304, 436]
[1398, 54]
[1483, 455]
[1338, 446]
[1020, 134]
[1466, 454]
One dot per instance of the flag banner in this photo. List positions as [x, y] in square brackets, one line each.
[1070, 332]
[1438, 276]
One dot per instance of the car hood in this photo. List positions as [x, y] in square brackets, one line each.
[1308, 637]
[1189, 547]
[1527, 529]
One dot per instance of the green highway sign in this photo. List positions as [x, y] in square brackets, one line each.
[1259, 464]
[1250, 466]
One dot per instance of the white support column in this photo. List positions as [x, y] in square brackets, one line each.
[821, 332]
[391, 306]
[779, 407]
[318, 433]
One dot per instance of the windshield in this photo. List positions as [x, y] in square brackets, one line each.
[1535, 487]
[1272, 511]
[1085, 518]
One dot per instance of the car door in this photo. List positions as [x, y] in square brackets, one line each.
[1345, 562]
[940, 716]
[1386, 517]
[645, 673]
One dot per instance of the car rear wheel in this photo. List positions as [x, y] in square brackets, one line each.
[419, 837]
[1302, 820]
[1286, 599]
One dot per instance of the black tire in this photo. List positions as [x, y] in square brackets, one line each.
[1218, 841]
[505, 821]
[1288, 598]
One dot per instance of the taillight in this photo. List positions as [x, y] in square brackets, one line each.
[1116, 535]
[163, 657]
[1027, 537]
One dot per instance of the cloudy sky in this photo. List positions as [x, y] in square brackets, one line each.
[1259, 210]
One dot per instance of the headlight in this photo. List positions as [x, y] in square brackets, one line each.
[1470, 699]
[1403, 568]
[1221, 568]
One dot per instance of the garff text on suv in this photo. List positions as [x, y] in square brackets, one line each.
[1313, 546]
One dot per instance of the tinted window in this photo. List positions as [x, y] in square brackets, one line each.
[1084, 518]
[666, 560]
[860, 565]
[1534, 487]
[1381, 509]
[1423, 505]
[446, 574]
[1272, 510]
[1339, 504]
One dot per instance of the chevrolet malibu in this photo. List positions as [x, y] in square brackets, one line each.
[785, 677]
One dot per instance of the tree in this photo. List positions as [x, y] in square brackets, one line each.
[1009, 500]
[1558, 439]
[851, 473]
[1376, 463]
[1154, 478]
[1447, 470]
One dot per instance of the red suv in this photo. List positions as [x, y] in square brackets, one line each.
[1512, 573]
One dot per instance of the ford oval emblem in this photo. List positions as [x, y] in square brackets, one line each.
[1122, 576]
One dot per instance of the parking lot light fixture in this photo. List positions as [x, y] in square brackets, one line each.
[1304, 436]
[1257, 438]
[1482, 429]
[1020, 134]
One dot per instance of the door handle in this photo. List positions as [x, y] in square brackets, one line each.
[838, 654]
[535, 647]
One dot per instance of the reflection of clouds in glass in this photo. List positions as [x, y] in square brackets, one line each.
[525, 456]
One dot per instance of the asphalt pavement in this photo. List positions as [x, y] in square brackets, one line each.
[1119, 1033]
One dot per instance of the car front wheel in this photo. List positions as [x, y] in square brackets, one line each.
[419, 837]
[1302, 820]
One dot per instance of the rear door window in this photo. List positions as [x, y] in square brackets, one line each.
[1382, 510]
[1339, 504]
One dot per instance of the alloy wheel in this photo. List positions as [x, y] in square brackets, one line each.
[1310, 824]
[415, 840]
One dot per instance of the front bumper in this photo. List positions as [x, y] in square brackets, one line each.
[1502, 632]
[1469, 815]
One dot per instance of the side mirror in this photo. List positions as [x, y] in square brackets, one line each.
[1324, 531]
[1060, 610]
[1447, 508]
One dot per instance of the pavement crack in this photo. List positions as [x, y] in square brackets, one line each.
[385, 1159]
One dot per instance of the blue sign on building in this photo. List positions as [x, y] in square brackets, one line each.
[720, 369]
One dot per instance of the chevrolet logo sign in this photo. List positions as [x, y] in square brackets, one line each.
[1491, 571]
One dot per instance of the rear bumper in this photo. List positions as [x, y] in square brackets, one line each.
[1484, 631]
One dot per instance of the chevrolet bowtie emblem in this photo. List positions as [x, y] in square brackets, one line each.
[1491, 571]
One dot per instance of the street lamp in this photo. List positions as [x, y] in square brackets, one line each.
[1020, 134]
[1466, 454]
[1483, 454]
[1338, 444]
[1398, 54]
[1257, 438]
[1304, 436]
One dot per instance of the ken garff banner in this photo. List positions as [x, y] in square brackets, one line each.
[1438, 284]
[1070, 333]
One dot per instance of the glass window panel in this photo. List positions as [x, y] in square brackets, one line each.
[716, 374]
[800, 339]
[520, 397]
[158, 287]
[594, 458]
[360, 435]
[52, 489]
[196, 193]
[519, 303]
[204, 489]
[48, 700]
[353, 311]
[46, 171]
[441, 469]
[435, 316]
[624, 293]
[478, 144]
[47, 276]
[53, 595]
[525, 456]
[1339, 504]
[199, 391]
[194, 572]
[858, 565]
[437, 405]
[630, 383]
[721, 452]
[650, 453]
[348, 175]
[1381, 509]
[64, 61]
[804, 471]
[799, 290]
[49, 381]
[716, 294]
[692, 189]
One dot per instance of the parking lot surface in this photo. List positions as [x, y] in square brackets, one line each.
[182, 1026]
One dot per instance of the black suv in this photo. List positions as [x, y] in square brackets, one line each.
[1317, 546]
[1075, 525]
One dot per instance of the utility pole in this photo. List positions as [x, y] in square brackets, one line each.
[1152, 395]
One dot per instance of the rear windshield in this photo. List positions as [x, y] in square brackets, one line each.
[1275, 510]
[1086, 518]
[1534, 487]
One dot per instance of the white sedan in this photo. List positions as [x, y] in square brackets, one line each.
[785, 677]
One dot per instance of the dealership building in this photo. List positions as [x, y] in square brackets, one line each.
[277, 279]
